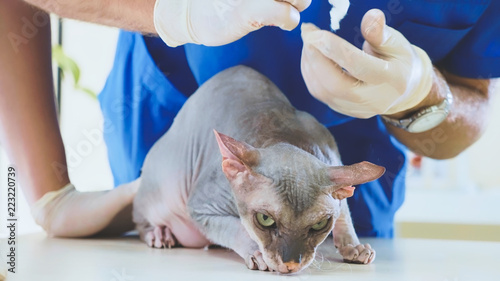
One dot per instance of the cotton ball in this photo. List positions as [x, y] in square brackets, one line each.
[338, 12]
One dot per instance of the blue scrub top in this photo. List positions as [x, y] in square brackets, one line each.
[150, 82]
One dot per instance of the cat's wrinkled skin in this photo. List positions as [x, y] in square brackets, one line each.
[278, 162]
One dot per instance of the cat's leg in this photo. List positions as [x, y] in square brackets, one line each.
[155, 236]
[158, 237]
[346, 240]
[227, 231]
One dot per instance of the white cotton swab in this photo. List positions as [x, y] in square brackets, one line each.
[338, 12]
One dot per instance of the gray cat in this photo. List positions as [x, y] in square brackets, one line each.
[279, 193]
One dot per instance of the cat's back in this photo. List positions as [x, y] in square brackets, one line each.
[244, 104]
[229, 95]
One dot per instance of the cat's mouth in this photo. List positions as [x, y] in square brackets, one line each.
[289, 267]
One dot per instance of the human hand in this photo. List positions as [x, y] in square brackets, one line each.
[70, 213]
[220, 22]
[388, 76]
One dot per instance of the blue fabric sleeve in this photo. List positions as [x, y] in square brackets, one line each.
[139, 103]
[478, 54]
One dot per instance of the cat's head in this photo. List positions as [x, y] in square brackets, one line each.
[288, 200]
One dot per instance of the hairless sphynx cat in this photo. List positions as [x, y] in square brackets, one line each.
[272, 192]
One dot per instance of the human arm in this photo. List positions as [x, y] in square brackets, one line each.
[465, 123]
[29, 130]
[131, 15]
[393, 78]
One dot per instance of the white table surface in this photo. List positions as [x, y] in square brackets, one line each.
[126, 259]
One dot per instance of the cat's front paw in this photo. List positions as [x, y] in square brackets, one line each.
[160, 237]
[362, 253]
[256, 262]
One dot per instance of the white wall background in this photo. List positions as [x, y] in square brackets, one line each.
[93, 49]
[444, 191]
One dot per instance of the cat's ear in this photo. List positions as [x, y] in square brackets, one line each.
[344, 177]
[237, 156]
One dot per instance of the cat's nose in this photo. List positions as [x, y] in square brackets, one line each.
[292, 266]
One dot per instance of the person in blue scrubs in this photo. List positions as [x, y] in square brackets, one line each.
[151, 81]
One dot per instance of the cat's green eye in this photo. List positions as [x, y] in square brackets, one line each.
[320, 225]
[265, 220]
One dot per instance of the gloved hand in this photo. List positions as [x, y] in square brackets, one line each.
[220, 22]
[388, 76]
[70, 213]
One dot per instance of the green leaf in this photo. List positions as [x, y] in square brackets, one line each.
[88, 91]
[66, 63]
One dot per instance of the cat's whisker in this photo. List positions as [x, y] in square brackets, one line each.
[318, 261]
[321, 263]
[316, 265]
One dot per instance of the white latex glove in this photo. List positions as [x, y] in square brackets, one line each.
[70, 213]
[220, 22]
[388, 76]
